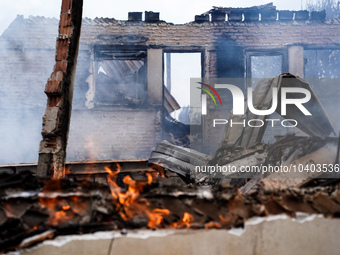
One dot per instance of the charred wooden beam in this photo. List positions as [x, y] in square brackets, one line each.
[59, 91]
[83, 167]
[49, 208]
[178, 159]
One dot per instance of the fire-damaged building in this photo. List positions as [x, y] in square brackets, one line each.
[140, 108]
[122, 100]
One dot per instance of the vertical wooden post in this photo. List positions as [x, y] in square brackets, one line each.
[59, 91]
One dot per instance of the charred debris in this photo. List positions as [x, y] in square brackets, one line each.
[33, 210]
[243, 147]
[166, 190]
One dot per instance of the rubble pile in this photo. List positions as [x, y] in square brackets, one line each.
[34, 209]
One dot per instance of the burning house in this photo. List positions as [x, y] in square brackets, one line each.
[127, 120]
[126, 102]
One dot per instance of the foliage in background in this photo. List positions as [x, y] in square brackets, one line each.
[331, 7]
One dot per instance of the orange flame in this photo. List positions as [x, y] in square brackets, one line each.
[156, 216]
[59, 210]
[212, 224]
[187, 218]
[128, 203]
[159, 169]
[63, 210]
[66, 207]
[184, 222]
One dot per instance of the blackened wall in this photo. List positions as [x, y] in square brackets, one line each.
[27, 59]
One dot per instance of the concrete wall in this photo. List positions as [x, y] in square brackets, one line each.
[274, 235]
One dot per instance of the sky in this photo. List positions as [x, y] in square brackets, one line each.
[176, 11]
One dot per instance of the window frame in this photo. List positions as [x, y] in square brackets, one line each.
[102, 52]
[266, 52]
[316, 48]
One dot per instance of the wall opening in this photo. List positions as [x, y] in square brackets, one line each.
[322, 63]
[180, 118]
[120, 77]
[321, 70]
[267, 64]
[178, 69]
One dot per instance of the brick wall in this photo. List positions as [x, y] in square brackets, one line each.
[249, 34]
[119, 132]
[23, 77]
[22, 102]
[242, 36]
